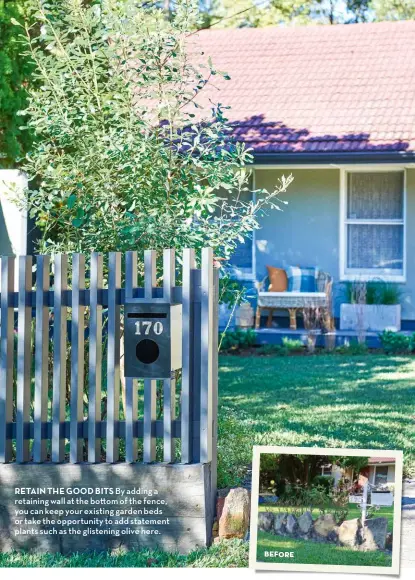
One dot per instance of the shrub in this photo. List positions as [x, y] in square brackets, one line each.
[233, 340]
[235, 439]
[270, 349]
[374, 292]
[395, 343]
[324, 481]
[352, 348]
[292, 345]
[389, 294]
[288, 346]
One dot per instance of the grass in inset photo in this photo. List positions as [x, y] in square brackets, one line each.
[315, 553]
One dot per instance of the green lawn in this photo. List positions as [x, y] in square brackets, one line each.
[354, 512]
[231, 554]
[331, 400]
[315, 553]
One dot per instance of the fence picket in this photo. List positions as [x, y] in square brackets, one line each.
[206, 361]
[187, 356]
[215, 382]
[95, 357]
[169, 396]
[41, 358]
[150, 386]
[59, 357]
[6, 355]
[195, 333]
[23, 359]
[113, 357]
[169, 385]
[77, 357]
[131, 398]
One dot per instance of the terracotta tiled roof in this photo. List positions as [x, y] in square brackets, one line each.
[347, 88]
[373, 460]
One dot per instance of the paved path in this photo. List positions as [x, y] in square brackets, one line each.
[408, 525]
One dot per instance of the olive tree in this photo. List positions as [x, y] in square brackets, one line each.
[127, 154]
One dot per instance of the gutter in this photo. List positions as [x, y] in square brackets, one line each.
[335, 157]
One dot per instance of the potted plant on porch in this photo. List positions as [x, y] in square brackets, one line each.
[371, 306]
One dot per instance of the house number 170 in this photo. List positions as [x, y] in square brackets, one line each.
[145, 327]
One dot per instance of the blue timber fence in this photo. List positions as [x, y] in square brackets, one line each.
[56, 408]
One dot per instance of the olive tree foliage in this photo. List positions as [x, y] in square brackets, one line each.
[126, 157]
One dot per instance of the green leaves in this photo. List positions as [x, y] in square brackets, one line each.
[71, 201]
[126, 156]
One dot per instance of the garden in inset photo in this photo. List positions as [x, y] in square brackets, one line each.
[324, 509]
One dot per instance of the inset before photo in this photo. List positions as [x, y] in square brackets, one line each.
[326, 509]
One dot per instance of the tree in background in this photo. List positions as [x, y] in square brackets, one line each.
[15, 70]
[393, 9]
[15, 74]
[254, 13]
[125, 154]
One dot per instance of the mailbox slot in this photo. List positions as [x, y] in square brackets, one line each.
[152, 339]
[147, 315]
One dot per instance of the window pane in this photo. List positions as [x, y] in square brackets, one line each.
[381, 475]
[242, 256]
[375, 246]
[375, 195]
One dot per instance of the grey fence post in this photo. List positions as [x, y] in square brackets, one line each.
[6, 356]
[130, 384]
[215, 384]
[95, 357]
[77, 358]
[23, 359]
[189, 265]
[206, 362]
[113, 357]
[41, 358]
[150, 386]
[169, 385]
[59, 357]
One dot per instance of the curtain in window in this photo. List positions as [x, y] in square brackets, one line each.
[381, 475]
[375, 246]
[375, 196]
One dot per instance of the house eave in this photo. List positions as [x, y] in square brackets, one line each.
[334, 158]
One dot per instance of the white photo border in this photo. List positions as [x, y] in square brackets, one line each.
[396, 551]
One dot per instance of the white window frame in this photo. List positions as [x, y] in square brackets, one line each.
[387, 465]
[388, 275]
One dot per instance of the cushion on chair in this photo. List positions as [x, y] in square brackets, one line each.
[278, 279]
[301, 279]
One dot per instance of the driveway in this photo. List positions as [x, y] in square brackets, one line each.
[408, 525]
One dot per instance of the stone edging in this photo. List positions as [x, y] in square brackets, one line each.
[371, 536]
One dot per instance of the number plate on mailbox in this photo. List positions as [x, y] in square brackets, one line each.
[152, 339]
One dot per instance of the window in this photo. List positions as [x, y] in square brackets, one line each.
[374, 225]
[381, 475]
[241, 261]
[326, 470]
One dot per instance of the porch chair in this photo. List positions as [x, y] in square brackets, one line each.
[296, 301]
